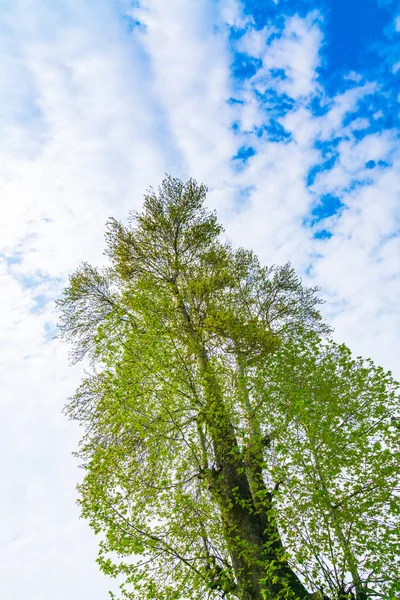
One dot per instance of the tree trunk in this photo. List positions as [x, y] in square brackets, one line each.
[253, 539]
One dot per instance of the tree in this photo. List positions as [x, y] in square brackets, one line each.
[231, 448]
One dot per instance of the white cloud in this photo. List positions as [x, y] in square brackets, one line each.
[254, 41]
[43, 545]
[232, 14]
[351, 164]
[295, 52]
[353, 76]
[190, 62]
[307, 128]
[341, 106]
[86, 82]
[360, 264]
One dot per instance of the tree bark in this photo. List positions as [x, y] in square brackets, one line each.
[257, 554]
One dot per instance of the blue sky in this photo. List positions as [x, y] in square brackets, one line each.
[287, 109]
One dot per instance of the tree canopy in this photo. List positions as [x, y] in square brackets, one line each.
[231, 448]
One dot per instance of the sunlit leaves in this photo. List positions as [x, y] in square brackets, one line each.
[338, 458]
[218, 412]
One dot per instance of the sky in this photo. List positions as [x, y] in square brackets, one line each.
[288, 110]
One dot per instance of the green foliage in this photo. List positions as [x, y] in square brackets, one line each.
[231, 448]
[338, 458]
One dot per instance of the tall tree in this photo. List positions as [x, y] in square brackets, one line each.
[231, 448]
